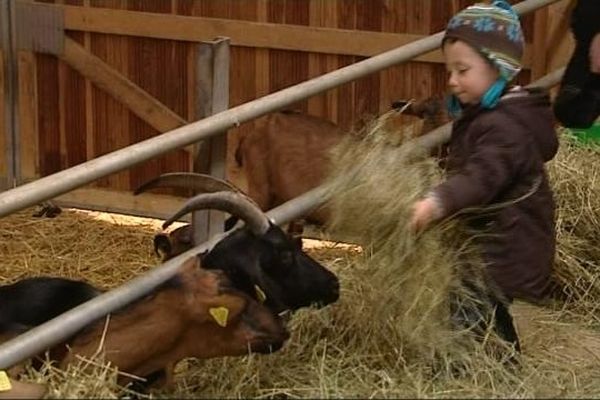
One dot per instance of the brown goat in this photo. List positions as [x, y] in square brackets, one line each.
[432, 111]
[285, 156]
[288, 154]
[195, 314]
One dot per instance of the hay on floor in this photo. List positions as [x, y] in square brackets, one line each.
[368, 344]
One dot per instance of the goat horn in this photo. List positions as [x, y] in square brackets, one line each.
[187, 180]
[232, 202]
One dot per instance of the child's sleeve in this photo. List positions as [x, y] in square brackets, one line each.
[497, 157]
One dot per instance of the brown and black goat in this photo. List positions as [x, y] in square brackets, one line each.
[197, 313]
[259, 257]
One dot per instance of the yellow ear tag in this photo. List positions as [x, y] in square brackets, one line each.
[260, 294]
[220, 315]
[5, 384]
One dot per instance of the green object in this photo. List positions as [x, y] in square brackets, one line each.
[591, 134]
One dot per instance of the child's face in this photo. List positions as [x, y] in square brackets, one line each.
[471, 74]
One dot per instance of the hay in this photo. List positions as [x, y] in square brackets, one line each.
[358, 347]
[575, 178]
[374, 186]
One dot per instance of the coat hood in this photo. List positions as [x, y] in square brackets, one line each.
[531, 108]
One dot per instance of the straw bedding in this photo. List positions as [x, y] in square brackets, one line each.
[388, 335]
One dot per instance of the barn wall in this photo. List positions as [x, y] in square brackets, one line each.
[69, 120]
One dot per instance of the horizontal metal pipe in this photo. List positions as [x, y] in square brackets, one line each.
[64, 181]
[60, 328]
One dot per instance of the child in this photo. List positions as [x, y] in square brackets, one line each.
[498, 147]
[578, 102]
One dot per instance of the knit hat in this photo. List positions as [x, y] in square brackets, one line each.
[495, 31]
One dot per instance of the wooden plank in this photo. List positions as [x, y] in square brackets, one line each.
[3, 144]
[323, 13]
[560, 41]
[392, 82]
[213, 92]
[346, 20]
[368, 18]
[540, 37]
[242, 33]
[28, 116]
[89, 108]
[158, 67]
[110, 80]
[145, 205]
[48, 114]
[110, 118]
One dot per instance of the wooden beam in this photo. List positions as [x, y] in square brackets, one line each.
[144, 205]
[540, 36]
[113, 82]
[28, 116]
[560, 42]
[243, 33]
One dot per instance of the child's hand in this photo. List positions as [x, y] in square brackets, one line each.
[424, 212]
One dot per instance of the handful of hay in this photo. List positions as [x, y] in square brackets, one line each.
[407, 279]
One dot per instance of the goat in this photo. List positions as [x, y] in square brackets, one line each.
[197, 313]
[432, 111]
[286, 156]
[33, 301]
[260, 258]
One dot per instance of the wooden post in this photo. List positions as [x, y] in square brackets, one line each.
[539, 62]
[9, 52]
[212, 70]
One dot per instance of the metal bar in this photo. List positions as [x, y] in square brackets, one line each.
[58, 329]
[87, 172]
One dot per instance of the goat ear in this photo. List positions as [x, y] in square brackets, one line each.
[162, 244]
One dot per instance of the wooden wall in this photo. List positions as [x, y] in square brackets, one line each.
[66, 120]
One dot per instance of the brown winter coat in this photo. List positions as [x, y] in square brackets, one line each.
[497, 156]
